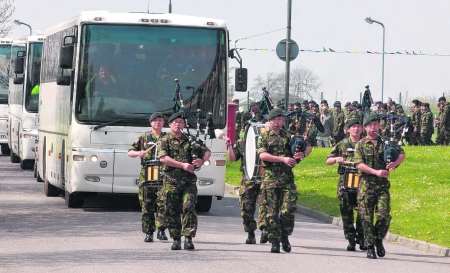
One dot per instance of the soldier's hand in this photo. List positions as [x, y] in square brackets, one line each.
[142, 154]
[197, 162]
[289, 161]
[382, 173]
[298, 156]
[339, 159]
[188, 167]
[391, 166]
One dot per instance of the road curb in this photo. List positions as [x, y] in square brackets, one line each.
[337, 221]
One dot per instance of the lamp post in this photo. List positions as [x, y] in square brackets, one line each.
[18, 22]
[371, 21]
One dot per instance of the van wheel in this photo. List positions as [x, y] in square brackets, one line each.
[14, 158]
[5, 149]
[26, 164]
[204, 203]
[50, 190]
[73, 200]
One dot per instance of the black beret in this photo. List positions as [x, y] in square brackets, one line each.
[371, 118]
[337, 104]
[156, 115]
[275, 113]
[174, 116]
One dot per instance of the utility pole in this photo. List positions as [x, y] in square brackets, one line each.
[288, 57]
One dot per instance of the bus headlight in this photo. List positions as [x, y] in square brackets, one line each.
[94, 158]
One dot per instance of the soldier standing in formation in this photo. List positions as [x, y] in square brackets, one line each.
[343, 154]
[415, 122]
[278, 187]
[338, 123]
[149, 195]
[426, 124]
[443, 122]
[373, 194]
[179, 183]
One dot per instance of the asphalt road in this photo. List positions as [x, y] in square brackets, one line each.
[39, 234]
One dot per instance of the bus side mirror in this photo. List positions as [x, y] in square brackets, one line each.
[66, 52]
[240, 79]
[19, 62]
[18, 79]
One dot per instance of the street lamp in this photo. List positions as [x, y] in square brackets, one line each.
[17, 22]
[371, 21]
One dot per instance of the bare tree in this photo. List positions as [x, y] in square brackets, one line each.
[6, 11]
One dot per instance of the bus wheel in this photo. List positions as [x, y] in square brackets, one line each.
[5, 149]
[14, 158]
[73, 200]
[26, 164]
[50, 190]
[204, 203]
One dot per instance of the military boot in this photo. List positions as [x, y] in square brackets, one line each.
[362, 244]
[285, 244]
[176, 245]
[351, 245]
[380, 248]
[371, 252]
[188, 244]
[251, 240]
[148, 237]
[161, 235]
[275, 246]
[264, 237]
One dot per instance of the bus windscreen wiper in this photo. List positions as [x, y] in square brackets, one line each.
[96, 127]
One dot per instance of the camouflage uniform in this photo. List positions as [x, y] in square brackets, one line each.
[179, 187]
[426, 128]
[347, 197]
[239, 124]
[373, 195]
[249, 196]
[338, 127]
[279, 193]
[443, 137]
[149, 196]
[416, 121]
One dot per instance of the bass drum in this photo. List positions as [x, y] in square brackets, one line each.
[252, 163]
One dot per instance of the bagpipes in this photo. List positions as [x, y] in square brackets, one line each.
[392, 143]
[266, 103]
[195, 141]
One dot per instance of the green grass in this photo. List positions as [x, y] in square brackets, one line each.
[420, 191]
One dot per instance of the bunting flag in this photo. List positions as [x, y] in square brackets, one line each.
[360, 52]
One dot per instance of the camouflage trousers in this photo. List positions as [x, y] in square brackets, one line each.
[249, 198]
[152, 208]
[353, 229]
[180, 199]
[443, 137]
[374, 207]
[425, 139]
[280, 204]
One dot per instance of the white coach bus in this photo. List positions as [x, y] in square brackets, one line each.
[5, 56]
[24, 99]
[103, 74]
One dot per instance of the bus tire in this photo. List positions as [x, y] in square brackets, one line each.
[5, 149]
[14, 158]
[50, 190]
[204, 203]
[73, 200]
[27, 164]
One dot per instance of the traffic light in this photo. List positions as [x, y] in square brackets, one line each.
[240, 82]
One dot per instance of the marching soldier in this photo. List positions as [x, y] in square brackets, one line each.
[426, 124]
[373, 194]
[416, 121]
[239, 115]
[347, 188]
[249, 197]
[149, 195]
[278, 187]
[179, 183]
[443, 122]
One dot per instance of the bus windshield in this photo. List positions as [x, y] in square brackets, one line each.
[5, 54]
[127, 71]
[33, 72]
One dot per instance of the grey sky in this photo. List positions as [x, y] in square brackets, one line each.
[339, 24]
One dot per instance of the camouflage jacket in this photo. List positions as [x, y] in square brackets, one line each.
[142, 144]
[416, 120]
[179, 149]
[373, 156]
[338, 123]
[275, 174]
[444, 118]
[346, 149]
[426, 124]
